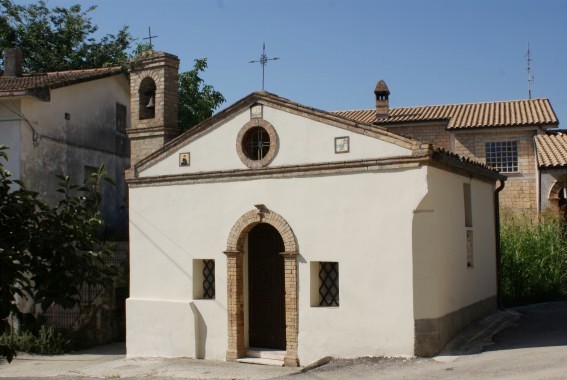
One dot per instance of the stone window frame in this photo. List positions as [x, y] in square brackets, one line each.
[468, 211]
[273, 147]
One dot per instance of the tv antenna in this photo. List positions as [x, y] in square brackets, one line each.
[263, 61]
[530, 76]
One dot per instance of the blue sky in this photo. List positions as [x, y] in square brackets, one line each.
[332, 52]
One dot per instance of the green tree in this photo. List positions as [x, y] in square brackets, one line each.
[56, 39]
[47, 254]
[197, 100]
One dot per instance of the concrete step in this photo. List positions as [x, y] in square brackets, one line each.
[261, 361]
[265, 353]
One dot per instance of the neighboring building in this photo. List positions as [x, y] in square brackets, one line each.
[500, 134]
[67, 122]
[71, 122]
[552, 163]
[276, 226]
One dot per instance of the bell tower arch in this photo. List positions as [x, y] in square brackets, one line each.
[153, 102]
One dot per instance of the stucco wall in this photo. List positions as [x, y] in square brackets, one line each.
[301, 141]
[10, 134]
[89, 138]
[363, 221]
[443, 283]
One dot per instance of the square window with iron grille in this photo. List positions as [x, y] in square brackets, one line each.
[204, 279]
[328, 284]
[502, 155]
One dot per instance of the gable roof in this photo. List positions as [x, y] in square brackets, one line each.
[40, 84]
[422, 153]
[551, 150]
[277, 102]
[515, 113]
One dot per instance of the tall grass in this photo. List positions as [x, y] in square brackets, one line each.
[534, 258]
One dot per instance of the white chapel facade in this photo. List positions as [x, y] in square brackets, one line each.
[273, 225]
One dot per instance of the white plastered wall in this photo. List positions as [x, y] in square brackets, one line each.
[10, 134]
[363, 221]
[443, 282]
[301, 141]
[89, 138]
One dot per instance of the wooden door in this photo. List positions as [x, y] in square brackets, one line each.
[266, 288]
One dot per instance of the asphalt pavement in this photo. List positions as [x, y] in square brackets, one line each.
[523, 343]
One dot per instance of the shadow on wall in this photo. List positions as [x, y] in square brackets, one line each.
[200, 333]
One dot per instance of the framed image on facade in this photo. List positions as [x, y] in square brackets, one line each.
[184, 159]
[342, 144]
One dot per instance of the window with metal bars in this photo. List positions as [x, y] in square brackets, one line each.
[209, 279]
[502, 156]
[256, 143]
[328, 284]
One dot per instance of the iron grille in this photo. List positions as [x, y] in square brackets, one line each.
[329, 288]
[502, 155]
[256, 143]
[209, 279]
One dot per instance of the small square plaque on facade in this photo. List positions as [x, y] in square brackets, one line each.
[184, 159]
[256, 111]
[342, 144]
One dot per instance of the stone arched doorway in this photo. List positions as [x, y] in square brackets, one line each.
[557, 196]
[235, 281]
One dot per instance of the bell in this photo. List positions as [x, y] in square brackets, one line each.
[151, 103]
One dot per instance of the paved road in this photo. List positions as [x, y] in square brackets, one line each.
[534, 348]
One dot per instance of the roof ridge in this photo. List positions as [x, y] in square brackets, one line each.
[81, 70]
[449, 104]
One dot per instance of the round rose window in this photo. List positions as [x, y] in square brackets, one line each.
[256, 143]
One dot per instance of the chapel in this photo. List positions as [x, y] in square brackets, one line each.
[281, 233]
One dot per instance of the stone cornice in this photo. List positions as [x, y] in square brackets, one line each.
[421, 157]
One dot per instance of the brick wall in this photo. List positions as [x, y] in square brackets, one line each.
[149, 134]
[520, 192]
[435, 134]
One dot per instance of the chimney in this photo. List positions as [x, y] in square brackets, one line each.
[13, 62]
[382, 94]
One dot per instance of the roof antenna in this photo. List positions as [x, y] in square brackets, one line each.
[530, 76]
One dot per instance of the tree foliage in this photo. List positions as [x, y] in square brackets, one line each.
[47, 254]
[58, 38]
[197, 100]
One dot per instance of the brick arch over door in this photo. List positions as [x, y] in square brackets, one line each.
[246, 222]
[235, 282]
[555, 192]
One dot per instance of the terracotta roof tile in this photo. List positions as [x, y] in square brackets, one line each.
[34, 82]
[551, 150]
[515, 113]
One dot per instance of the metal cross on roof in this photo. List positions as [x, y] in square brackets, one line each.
[263, 61]
[149, 37]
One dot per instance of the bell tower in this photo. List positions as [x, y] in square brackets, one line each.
[153, 103]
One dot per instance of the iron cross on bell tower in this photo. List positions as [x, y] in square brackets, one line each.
[150, 37]
[263, 61]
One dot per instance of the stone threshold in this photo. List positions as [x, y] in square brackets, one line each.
[263, 356]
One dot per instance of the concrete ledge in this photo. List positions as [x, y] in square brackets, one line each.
[431, 335]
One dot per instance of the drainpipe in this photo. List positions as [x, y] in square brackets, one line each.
[498, 252]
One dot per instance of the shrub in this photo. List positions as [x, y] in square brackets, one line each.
[47, 341]
[534, 255]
